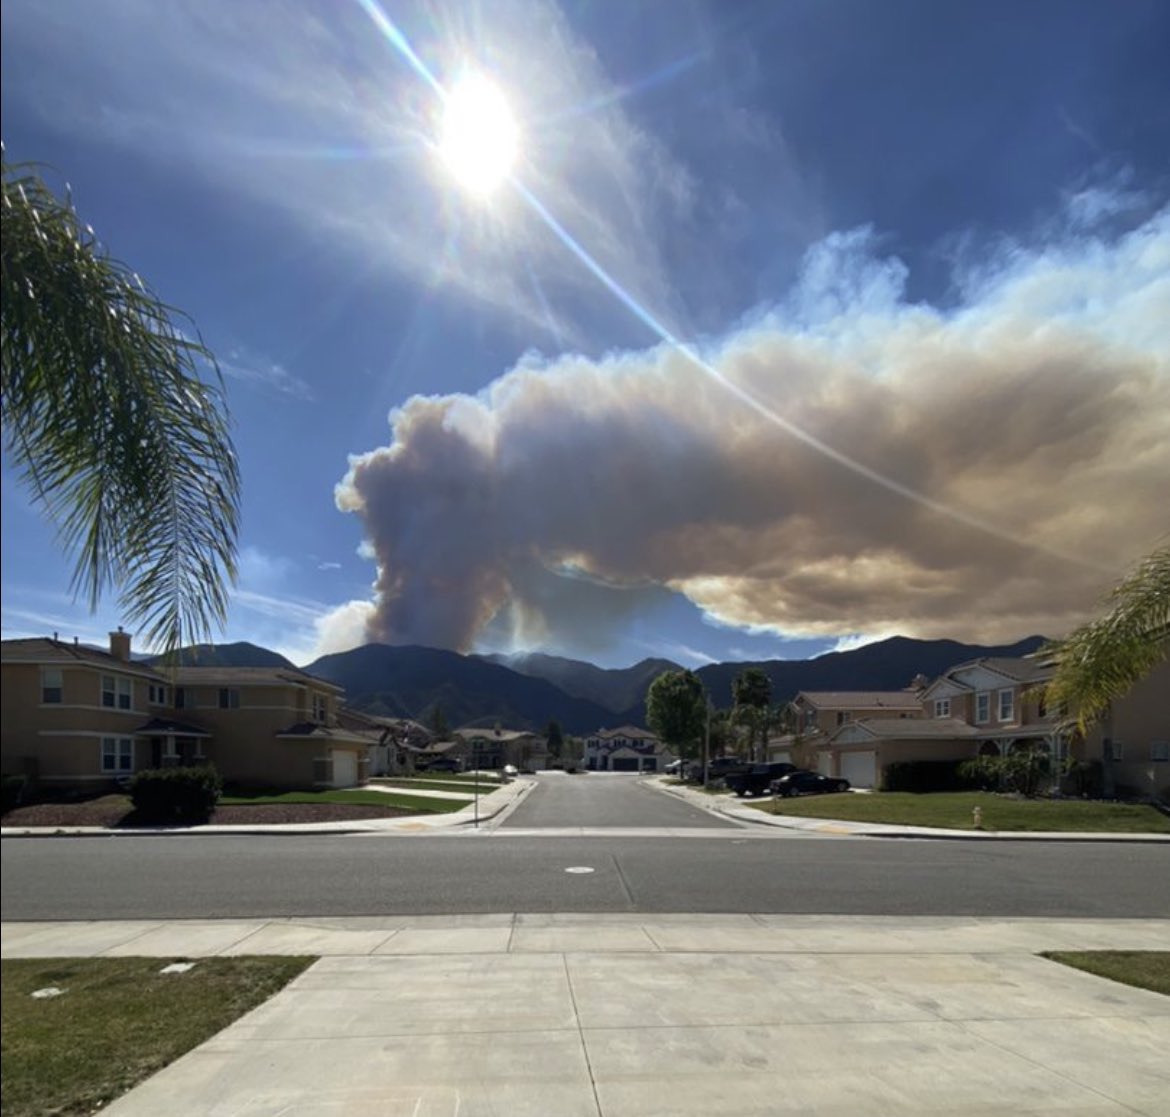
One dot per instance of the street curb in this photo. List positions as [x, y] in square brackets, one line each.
[455, 820]
[843, 828]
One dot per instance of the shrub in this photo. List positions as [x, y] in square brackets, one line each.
[176, 794]
[1024, 771]
[1086, 778]
[928, 775]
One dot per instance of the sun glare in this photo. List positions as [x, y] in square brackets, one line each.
[479, 137]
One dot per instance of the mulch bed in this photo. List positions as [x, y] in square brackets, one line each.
[113, 811]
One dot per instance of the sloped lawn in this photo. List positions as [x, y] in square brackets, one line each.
[116, 1022]
[954, 810]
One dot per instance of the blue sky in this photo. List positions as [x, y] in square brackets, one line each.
[921, 252]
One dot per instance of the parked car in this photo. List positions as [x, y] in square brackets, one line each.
[722, 766]
[807, 783]
[755, 779]
[437, 764]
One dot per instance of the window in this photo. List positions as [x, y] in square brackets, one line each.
[229, 698]
[1007, 705]
[1160, 751]
[318, 707]
[1117, 751]
[157, 694]
[844, 717]
[117, 755]
[983, 708]
[942, 707]
[180, 697]
[52, 685]
[117, 693]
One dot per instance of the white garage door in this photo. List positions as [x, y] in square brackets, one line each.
[345, 768]
[859, 768]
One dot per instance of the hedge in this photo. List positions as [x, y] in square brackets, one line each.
[183, 795]
[928, 775]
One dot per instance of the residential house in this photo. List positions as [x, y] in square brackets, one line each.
[497, 747]
[395, 743]
[994, 705]
[72, 715]
[815, 715]
[625, 749]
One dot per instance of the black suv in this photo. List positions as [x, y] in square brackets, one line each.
[755, 779]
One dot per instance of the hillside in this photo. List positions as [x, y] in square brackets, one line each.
[241, 654]
[617, 689]
[411, 681]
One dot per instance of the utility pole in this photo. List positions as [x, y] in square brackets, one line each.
[707, 742]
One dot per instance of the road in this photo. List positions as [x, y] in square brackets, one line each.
[704, 865]
[603, 800]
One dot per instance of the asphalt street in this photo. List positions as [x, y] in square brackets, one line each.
[605, 800]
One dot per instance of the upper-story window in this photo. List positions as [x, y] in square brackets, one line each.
[52, 686]
[1160, 751]
[844, 717]
[1007, 705]
[180, 697]
[983, 707]
[117, 692]
[942, 707]
[157, 694]
[318, 707]
[229, 698]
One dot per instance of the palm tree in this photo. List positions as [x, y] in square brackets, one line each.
[1099, 662]
[121, 442]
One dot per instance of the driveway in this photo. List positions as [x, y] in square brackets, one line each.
[659, 1016]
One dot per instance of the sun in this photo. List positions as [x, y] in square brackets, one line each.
[479, 137]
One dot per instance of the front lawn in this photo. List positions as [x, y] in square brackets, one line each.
[953, 810]
[116, 1022]
[1147, 969]
[425, 784]
[420, 805]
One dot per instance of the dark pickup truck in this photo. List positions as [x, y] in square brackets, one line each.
[756, 778]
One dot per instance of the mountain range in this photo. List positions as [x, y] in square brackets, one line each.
[527, 691]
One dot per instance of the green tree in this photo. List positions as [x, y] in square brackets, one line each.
[676, 710]
[118, 438]
[438, 723]
[1100, 661]
[751, 691]
[556, 740]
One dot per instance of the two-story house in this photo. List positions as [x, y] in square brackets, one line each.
[991, 706]
[815, 715]
[625, 749]
[71, 715]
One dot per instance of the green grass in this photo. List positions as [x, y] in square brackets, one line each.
[435, 785]
[118, 1022]
[952, 810]
[362, 798]
[1147, 969]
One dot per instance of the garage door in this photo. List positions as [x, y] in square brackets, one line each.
[625, 764]
[859, 768]
[345, 768]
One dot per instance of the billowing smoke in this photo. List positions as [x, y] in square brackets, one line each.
[560, 495]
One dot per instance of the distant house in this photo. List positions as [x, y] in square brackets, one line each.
[395, 743]
[497, 747]
[816, 714]
[71, 715]
[992, 706]
[625, 749]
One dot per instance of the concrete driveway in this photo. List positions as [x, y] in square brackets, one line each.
[658, 1015]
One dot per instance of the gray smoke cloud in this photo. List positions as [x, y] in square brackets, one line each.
[555, 500]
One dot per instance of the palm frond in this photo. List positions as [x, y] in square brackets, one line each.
[105, 413]
[1101, 661]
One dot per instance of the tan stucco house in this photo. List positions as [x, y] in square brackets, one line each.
[72, 715]
[991, 706]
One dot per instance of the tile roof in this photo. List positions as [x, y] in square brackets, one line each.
[918, 728]
[43, 649]
[1021, 670]
[169, 727]
[312, 730]
[246, 676]
[862, 699]
[631, 731]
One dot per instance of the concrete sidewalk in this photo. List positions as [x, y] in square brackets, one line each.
[658, 1015]
[735, 808]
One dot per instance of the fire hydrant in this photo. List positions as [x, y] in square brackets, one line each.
[977, 814]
